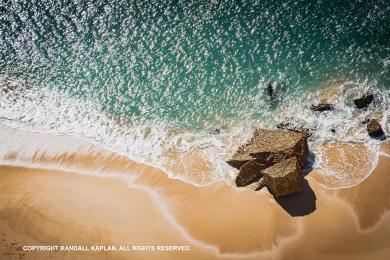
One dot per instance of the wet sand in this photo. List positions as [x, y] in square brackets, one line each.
[134, 204]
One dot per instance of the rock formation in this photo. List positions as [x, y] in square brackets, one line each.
[284, 178]
[266, 149]
[250, 172]
[374, 129]
[322, 107]
[363, 101]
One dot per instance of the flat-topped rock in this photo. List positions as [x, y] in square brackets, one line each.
[284, 178]
[268, 147]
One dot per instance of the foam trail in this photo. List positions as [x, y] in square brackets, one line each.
[181, 153]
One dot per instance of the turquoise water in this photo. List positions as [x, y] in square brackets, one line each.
[160, 72]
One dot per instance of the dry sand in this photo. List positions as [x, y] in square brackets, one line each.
[134, 204]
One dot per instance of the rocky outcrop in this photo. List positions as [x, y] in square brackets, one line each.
[363, 101]
[266, 149]
[374, 129]
[322, 107]
[250, 172]
[284, 178]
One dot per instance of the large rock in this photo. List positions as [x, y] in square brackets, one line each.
[249, 173]
[322, 107]
[363, 101]
[374, 129]
[284, 178]
[268, 147]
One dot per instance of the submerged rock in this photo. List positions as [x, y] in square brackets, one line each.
[322, 107]
[216, 131]
[270, 92]
[268, 147]
[296, 128]
[249, 173]
[284, 178]
[10, 86]
[363, 101]
[374, 129]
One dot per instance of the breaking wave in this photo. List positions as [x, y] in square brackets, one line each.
[180, 85]
[346, 156]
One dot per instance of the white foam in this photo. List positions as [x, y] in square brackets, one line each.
[44, 110]
[58, 113]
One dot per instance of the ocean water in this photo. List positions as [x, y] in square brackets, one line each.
[153, 80]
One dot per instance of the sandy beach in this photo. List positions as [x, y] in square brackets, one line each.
[195, 130]
[104, 199]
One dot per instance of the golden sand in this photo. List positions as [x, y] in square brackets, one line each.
[134, 204]
[349, 163]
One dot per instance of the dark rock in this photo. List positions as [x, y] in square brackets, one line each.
[216, 131]
[374, 129]
[364, 101]
[284, 178]
[333, 130]
[249, 173]
[322, 107]
[268, 147]
[270, 92]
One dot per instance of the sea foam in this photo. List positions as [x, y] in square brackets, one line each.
[196, 156]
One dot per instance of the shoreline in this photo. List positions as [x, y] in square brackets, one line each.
[211, 219]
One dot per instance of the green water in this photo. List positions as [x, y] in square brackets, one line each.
[192, 62]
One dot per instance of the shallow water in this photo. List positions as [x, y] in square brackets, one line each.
[153, 79]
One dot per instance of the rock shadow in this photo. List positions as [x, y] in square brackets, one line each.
[299, 204]
[308, 167]
[382, 137]
[303, 203]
